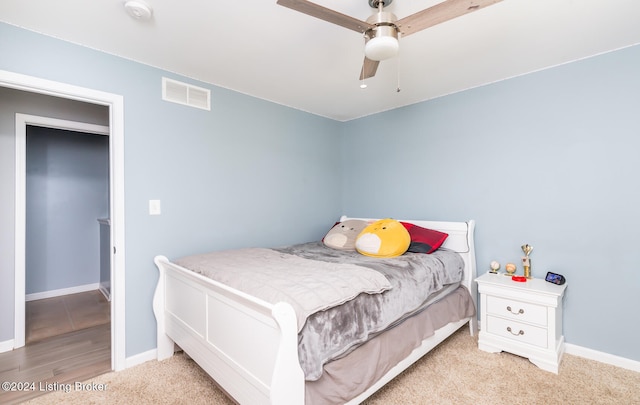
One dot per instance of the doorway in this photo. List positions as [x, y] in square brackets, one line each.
[115, 104]
[67, 199]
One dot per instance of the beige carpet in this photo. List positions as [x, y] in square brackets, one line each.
[454, 373]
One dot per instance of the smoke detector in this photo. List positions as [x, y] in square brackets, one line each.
[138, 9]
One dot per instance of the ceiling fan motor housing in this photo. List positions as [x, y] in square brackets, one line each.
[376, 3]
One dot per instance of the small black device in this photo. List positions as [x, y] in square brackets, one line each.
[555, 278]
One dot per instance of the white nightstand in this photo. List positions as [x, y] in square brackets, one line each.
[523, 318]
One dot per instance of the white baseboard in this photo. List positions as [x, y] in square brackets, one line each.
[6, 346]
[62, 291]
[602, 357]
[141, 358]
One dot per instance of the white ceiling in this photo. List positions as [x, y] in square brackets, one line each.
[268, 51]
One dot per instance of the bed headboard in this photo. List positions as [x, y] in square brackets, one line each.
[460, 233]
[460, 240]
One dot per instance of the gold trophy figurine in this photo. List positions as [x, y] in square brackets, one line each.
[526, 261]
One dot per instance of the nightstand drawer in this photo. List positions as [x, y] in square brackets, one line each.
[517, 310]
[517, 331]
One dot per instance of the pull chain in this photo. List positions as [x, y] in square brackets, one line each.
[398, 66]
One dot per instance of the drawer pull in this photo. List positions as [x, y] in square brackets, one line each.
[515, 334]
[520, 312]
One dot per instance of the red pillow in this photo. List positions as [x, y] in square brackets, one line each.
[424, 240]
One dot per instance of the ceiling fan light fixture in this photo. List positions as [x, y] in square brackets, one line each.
[384, 45]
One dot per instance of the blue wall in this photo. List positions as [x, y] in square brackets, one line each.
[67, 189]
[549, 159]
[546, 159]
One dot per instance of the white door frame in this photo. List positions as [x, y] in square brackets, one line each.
[116, 170]
[22, 121]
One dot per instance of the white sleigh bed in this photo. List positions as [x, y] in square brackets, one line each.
[250, 347]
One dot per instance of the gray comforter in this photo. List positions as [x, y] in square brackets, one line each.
[334, 332]
[341, 298]
[275, 276]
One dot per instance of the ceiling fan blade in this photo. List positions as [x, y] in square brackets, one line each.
[326, 14]
[445, 11]
[369, 68]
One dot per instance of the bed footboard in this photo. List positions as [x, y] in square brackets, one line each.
[248, 346]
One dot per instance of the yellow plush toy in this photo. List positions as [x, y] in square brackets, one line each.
[383, 238]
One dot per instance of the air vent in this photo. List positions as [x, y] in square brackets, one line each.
[186, 94]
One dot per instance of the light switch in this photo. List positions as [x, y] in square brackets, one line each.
[154, 207]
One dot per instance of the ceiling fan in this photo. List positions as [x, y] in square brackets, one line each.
[382, 29]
